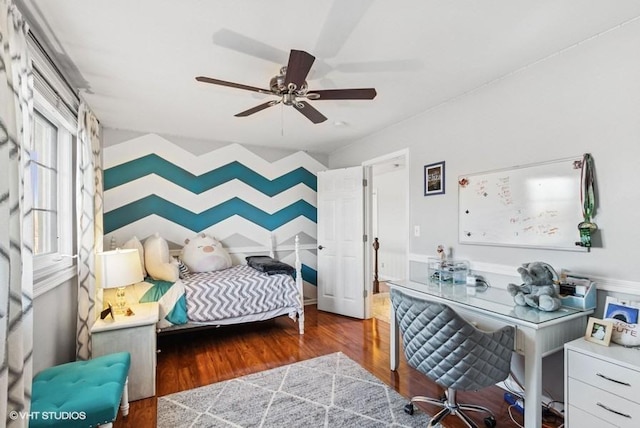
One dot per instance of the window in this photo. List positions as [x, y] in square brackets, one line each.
[53, 211]
[52, 171]
[44, 175]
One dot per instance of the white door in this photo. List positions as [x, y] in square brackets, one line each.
[341, 287]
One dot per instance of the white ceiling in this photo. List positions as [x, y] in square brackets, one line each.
[136, 60]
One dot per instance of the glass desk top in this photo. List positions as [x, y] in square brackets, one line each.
[492, 299]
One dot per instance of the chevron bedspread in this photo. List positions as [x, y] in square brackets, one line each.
[238, 291]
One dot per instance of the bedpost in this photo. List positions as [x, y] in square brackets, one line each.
[298, 266]
[272, 246]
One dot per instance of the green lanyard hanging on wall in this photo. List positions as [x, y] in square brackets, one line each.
[588, 201]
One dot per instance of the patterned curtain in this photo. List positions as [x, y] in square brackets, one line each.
[89, 214]
[16, 227]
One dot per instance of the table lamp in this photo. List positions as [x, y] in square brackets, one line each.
[118, 269]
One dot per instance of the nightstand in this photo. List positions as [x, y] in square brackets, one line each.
[135, 334]
[602, 385]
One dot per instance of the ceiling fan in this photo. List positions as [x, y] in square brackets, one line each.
[291, 87]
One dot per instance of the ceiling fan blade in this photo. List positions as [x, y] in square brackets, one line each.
[256, 109]
[342, 19]
[343, 94]
[300, 63]
[241, 43]
[311, 113]
[232, 84]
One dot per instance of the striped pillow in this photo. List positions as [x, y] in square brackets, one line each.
[183, 270]
[170, 297]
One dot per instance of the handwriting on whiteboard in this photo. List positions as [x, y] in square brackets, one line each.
[533, 205]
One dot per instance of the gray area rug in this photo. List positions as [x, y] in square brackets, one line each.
[328, 391]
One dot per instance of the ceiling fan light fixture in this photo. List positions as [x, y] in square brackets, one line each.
[288, 99]
[277, 84]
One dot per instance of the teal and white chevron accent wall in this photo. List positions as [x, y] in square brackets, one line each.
[153, 185]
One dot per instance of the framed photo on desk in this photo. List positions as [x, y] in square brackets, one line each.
[599, 331]
[624, 313]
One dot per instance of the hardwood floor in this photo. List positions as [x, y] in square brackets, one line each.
[190, 360]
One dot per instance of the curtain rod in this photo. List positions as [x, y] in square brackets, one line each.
[51, 63]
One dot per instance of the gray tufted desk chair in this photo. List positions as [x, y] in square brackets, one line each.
[453, 353]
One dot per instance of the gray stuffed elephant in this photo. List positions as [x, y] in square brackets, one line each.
[538, 289]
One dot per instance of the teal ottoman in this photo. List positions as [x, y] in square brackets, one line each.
[81, 393]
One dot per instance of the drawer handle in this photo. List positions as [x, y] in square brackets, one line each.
[613, 411]
[613, 380]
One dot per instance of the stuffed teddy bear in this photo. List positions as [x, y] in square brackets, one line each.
[538, 290]
[204, 254]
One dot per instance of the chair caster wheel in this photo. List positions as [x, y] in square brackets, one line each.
[490, 422]
[409, 409]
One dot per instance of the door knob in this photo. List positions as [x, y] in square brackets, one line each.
[320, 247]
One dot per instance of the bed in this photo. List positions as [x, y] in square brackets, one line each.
[239, 294]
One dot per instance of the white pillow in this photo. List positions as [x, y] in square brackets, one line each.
[135, 244]
[625, 334]
[203, 253]
[158, 260]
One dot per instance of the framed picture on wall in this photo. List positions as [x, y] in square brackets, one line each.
[434, 179]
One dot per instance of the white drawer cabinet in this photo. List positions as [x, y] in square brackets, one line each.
[580, 418]
[135, 334]
[602, 385]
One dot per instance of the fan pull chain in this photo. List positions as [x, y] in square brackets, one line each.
[282, 120]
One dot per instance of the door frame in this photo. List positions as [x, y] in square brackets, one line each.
[368, 219]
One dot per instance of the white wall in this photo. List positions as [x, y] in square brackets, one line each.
[210, 197]
[391, 193]
[583, 99]
[54, 326]
[111, 137]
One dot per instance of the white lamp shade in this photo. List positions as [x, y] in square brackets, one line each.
[118, 268]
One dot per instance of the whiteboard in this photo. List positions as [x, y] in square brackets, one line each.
[535, 205]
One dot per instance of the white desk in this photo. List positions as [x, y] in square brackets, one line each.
[538, 333]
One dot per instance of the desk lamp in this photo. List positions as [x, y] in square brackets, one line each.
[118, 269]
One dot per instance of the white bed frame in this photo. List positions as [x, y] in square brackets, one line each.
[270, 315]
[299, 284]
